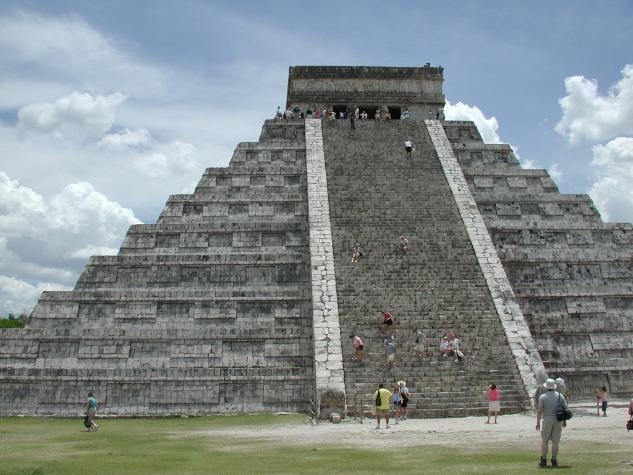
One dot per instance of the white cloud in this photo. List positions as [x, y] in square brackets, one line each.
[91, 250]
[173, 158]
[47, 240]
[17, 296]
[555, 172]
[487, 126]
[94, 113]
[125, 138]
[68, 50]
[612, 192]
[587, 115]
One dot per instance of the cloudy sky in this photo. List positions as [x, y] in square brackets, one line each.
[109, 106]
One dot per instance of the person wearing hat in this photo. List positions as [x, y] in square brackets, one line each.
[548, 405]
[404, 399]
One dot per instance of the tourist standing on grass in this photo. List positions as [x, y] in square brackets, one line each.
[404, 399]
[494, 404]
[358, 347]
[382, 398]
[548, 405]
[91, 412]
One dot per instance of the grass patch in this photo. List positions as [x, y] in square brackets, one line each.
[38, 446]
[12, 323]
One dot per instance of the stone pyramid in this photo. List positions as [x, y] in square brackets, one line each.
[242, 296]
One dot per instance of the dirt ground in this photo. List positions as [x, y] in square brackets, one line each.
[516, 430]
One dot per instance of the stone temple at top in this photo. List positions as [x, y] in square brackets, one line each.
[242, 296]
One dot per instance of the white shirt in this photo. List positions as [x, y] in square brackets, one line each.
[408, 144]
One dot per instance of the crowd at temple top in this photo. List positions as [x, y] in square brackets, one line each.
[328, 113]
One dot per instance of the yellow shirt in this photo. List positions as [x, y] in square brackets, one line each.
[385, 397]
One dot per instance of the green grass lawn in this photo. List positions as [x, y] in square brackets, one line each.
[39, 446]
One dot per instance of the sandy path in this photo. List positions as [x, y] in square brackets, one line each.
[511, 431]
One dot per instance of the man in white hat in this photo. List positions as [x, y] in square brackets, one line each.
[404, 399]
[548, 405]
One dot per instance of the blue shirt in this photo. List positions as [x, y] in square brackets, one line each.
[92, 403]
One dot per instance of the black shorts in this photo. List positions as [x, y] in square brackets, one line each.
[360, 347]
[403, 403]
[408, 149]
[388, 322]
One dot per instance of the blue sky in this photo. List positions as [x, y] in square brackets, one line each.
[107, 107]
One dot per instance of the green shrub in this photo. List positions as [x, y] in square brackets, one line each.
[12, 323]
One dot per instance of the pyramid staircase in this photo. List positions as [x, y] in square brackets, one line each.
[376, 195]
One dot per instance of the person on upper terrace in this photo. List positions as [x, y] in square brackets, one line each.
[317, 113]
[288, 114]
[387, 115]
[404, 114]
[279, 115]
[377, 116]
[341, 115]
[403, 244]
[296, 112]
[309, 113]
[357, 253]
[356, 113]
[363, 115]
